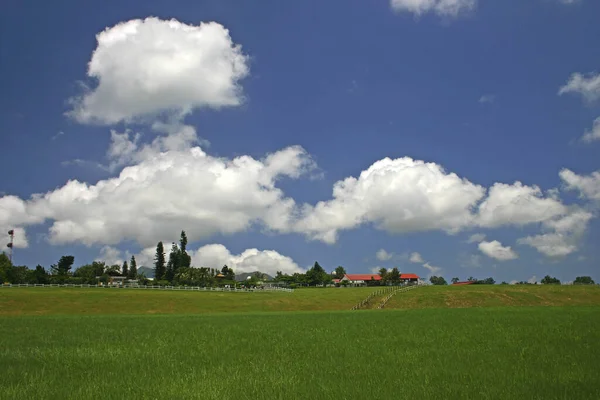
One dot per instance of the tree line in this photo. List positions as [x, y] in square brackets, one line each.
[547, 280]
[177, 270]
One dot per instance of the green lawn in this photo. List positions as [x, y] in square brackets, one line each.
[496, 296]
[90, 301]
[478, 353]
[468, 342]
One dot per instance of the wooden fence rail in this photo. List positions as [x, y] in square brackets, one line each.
[184, 288]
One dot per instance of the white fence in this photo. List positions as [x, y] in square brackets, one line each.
[180, 288]
[389, 292]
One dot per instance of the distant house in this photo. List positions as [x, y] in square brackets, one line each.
[464, 283]
[364, 279]
[409, 278]
[360, 279]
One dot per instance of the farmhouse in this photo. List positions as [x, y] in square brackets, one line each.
[463, 283]
[365, 279]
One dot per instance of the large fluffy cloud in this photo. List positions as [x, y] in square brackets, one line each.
[398, 195]
[144, 67]
[494, 249]
[517, 204]
[164, 192]
[441, 7]
[250, 260]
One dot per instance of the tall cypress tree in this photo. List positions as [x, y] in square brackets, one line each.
[159, 262]
[125, 269]
[184, 258]
[173, 264]
[132, 268]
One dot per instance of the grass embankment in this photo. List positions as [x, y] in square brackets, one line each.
[90, 301]
[510, 353]
[496, 296]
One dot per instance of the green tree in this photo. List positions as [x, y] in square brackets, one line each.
[383, 273]
[340, 272]
[584, 280]
[549, 280]
[113, 270]
[173, 264]
[39, 275]
[184, 258]
[90, 272]
[132, 268]
[125, 269]
[454, 280]
[228, 273]
[471, 279]
[394, 276]
[316, 275]
[438, 280]
[159, 262]
[63, 267]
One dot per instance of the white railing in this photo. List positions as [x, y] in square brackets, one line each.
[156, 287]
[399, 290]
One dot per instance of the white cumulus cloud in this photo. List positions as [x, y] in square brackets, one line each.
[561, 236]
[164, 192]
[416, 258]
[383, 255]
[440, 7]
[144, 67]
[250, 260]
[594, 134]
[588, 186]
[588, 86]
[398, 196]
[517, 204]
[494, 249]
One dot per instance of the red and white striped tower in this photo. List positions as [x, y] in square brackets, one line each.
[11, 233]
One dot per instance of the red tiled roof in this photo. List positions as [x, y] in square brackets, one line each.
[336, 281]
[363, 277]
[464, 283]
[409, 276]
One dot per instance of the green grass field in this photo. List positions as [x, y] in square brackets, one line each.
[496, 296]
[224, 346]
[69, 301]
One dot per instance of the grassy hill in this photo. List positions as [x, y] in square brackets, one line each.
[90, 301]
[496, 296]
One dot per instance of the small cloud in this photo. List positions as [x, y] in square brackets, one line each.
[383, 255]
[494, 249]
[532, 280]
[594, 134]
[416, 258]
[60, 133]
[476, 238]
[84, 163]
[433, 270]
[487, 99]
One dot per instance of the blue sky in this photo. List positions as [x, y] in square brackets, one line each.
[464, 100]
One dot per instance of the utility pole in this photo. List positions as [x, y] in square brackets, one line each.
[11, 233]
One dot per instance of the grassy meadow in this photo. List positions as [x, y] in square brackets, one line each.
[106, 344]
[89, 301]
[497, 296]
